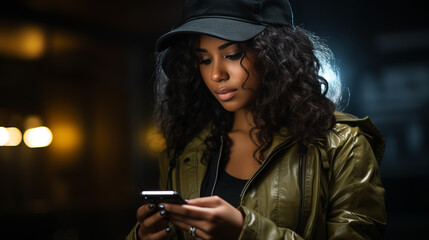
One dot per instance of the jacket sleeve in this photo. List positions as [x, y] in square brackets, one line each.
[356, 197]
[257, 226]
[133, 234]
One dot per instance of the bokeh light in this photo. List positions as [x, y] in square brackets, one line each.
[33, 121]
[153, 141]
[27, 42]
[38, 137]
[68, 137]
[4, 136]
[32, 42]
[15, 136]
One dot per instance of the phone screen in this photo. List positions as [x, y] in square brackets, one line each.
[162, 197]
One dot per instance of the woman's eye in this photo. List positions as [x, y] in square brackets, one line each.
[205, 61]
[235, 56]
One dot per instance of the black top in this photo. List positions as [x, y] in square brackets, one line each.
[227, 187]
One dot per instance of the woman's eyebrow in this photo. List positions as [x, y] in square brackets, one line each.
[223, 46]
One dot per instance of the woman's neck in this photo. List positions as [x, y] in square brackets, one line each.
[243, 121]
[241, 162]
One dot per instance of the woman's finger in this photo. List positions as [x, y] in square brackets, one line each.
[199, 233]
[144, 211]
[163, 234]
[210, 217]
[198, 208]
[210, 202]
[189, 211]
[155, 221]
[174, 218]
[152, 223]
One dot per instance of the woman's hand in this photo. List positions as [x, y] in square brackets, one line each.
[212, 217]
[152, 222]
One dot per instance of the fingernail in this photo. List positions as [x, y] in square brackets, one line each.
[151, 206]
[168, 229]
[161, 206]
[186, 200]
[162, 212]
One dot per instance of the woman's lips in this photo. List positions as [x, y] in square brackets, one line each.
[225, 94]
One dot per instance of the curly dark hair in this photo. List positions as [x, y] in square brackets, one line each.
[290, 93]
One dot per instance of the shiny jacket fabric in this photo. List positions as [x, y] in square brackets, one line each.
[332, 191]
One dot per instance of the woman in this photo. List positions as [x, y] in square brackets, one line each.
[252, 139]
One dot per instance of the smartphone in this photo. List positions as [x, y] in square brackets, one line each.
[162, 197]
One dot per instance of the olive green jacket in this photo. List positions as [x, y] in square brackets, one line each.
[333, 191]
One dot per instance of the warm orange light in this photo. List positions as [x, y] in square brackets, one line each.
[154, 142]
[22, 41]
[4, 136]
[68, 137]
[65, 121]
[15, 136]
[32, 42]
[38, 137]
[33, 121]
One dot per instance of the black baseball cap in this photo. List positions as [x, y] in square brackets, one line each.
[231, 20]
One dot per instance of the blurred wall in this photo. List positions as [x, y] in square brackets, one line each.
[84, 69]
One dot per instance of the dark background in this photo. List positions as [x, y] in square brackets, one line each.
[84, 68]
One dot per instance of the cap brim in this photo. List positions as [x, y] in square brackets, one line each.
[224, 28]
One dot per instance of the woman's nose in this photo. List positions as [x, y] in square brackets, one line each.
[219, 72]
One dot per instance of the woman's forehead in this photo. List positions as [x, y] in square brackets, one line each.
[212, 42]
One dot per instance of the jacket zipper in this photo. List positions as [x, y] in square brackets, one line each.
[272, 154]
[217, 166]
[301, 181]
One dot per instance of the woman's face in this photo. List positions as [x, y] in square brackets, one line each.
[224, 75]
